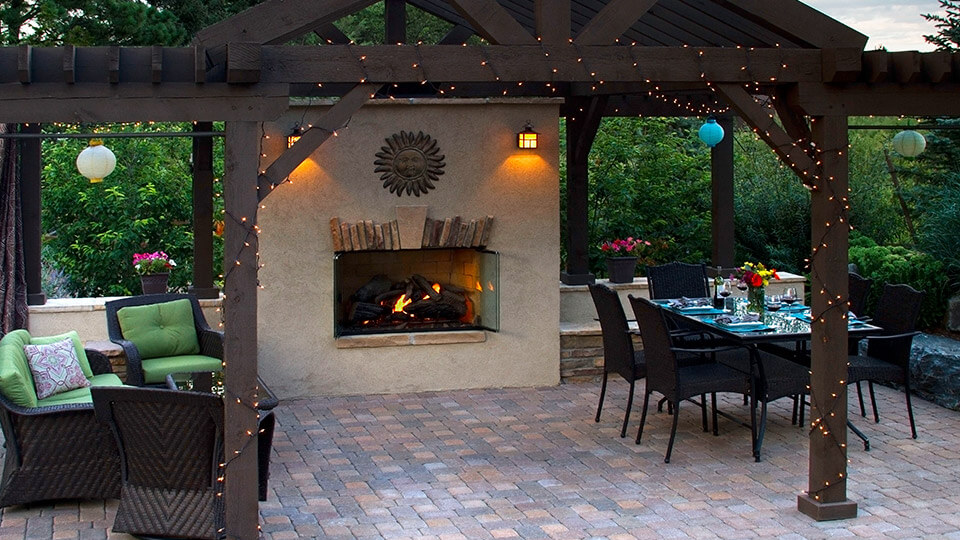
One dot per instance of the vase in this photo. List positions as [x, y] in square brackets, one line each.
[621, 269]
[154, 283]
[755, 299]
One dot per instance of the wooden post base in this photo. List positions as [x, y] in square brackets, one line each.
[822, 511]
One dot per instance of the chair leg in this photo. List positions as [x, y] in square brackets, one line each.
[873, 403]
[643, 414]
[713, 401]
[603, 392]
[673, 431]
[803, 404]
[793, 417]
[906, 391]
[703, 412]
[626, 416]
[863, 410]
[660, 405]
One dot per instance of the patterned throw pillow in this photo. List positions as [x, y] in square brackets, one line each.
[55, 368]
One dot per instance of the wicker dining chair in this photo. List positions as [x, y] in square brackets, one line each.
[619, 355]
[887, 358]
[677, 381]
[677, 280]
[171, 447]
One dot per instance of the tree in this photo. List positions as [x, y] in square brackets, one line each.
[947, 37]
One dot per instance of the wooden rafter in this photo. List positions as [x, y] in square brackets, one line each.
[763, 124]
[552, 20]
[612, 21]
[492, 22]
[329, 33]
[130, 102]
[333, 119]
[791, 117]
[276, 21]
[886, 99]
[799, 21]
[457, 35]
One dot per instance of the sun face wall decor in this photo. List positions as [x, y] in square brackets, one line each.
[410, 163]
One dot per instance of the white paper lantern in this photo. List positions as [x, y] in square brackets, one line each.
[909, 143]
[96, 161]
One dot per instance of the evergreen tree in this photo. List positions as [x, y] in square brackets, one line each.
[947, 37]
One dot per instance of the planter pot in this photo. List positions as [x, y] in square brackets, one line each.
[621, 269]
[154, 283]
[755, 299]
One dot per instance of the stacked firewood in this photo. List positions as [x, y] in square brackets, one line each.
[453, 232]
[417, 296]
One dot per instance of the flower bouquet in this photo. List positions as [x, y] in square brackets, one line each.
[754, 277]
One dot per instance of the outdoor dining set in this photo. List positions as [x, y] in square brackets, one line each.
[156, 443]
[696, 344]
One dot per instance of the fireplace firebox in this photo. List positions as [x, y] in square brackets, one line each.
[418, 290]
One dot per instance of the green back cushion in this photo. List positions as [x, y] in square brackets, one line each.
[16, 381]
[164, 329]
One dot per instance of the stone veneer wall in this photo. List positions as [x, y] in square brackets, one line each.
[485, 174]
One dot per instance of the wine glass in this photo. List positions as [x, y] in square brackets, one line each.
[723, 289]
[789, 295]
[774, 302]
[742, 285]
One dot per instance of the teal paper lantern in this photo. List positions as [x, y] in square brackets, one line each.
[711, 133]
[909, 143]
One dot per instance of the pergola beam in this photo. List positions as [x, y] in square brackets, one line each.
[552, 20]
[887, 99]
[492, 22]
[169, 102]
[799, 21]
[333, 119]
[612, 21]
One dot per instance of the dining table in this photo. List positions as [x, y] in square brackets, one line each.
[783, 331]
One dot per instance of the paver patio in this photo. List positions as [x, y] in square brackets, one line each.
[531, 463]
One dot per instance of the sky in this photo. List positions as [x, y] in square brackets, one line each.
[894, 24]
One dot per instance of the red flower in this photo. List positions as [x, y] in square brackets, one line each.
[755, 280]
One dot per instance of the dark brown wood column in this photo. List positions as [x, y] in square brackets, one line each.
[583, 117]
[30, 167]
[202, 285]
[241, 167]
[721, 174]
[826, 497]
[395, 27]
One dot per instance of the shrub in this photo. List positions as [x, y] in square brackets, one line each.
[895, 264]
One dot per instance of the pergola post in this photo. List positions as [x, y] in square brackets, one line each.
[241, 168]
[721, 175]
[202, 285]
[826, 497]
[583, 117]
[30, 167]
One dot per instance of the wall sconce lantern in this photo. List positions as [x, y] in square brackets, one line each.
[96, 161]
[711, 133]
[528, 138]
[909, 143]
[294, 135]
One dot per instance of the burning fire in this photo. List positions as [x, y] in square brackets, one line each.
[402, 302]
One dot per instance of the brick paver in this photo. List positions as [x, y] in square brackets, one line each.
[532, 464]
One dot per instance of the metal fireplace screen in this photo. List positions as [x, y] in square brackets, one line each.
[423, 290]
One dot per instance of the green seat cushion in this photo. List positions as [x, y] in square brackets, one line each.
[160, 330]
[16, 381]
[155, 370]
[81, 395]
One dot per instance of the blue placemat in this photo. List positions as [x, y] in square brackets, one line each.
[794, 307]
[742, 326]
[700, 310]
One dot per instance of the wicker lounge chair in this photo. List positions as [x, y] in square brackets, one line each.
[55, 448]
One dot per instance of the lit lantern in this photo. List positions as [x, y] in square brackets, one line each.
[528, 138]
[96, 161]
[294, 136]
[711, 133]
[909, 143]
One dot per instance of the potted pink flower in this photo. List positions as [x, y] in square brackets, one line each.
[154, 269]
[622, 256]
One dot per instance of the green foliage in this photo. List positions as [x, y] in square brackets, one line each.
[92, 230]
[366, 27]
[947, 37]
[648, 178]
[895, 264]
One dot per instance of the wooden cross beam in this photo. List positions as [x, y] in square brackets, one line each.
[552, 20]
[333, 119]
[612, 21]
[763, 124]
[799, 21]
[492, 22]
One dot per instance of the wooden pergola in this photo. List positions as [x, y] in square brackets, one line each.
[791, 73]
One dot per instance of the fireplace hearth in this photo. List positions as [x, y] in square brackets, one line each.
[426, 290]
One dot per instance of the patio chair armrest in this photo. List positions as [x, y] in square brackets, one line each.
[99, 363]
[42, 411]
[134, 362]
[701, 350]
[892, 337]
[211, 343]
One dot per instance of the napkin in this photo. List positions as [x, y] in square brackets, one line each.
[683, 302]
[728, 319]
